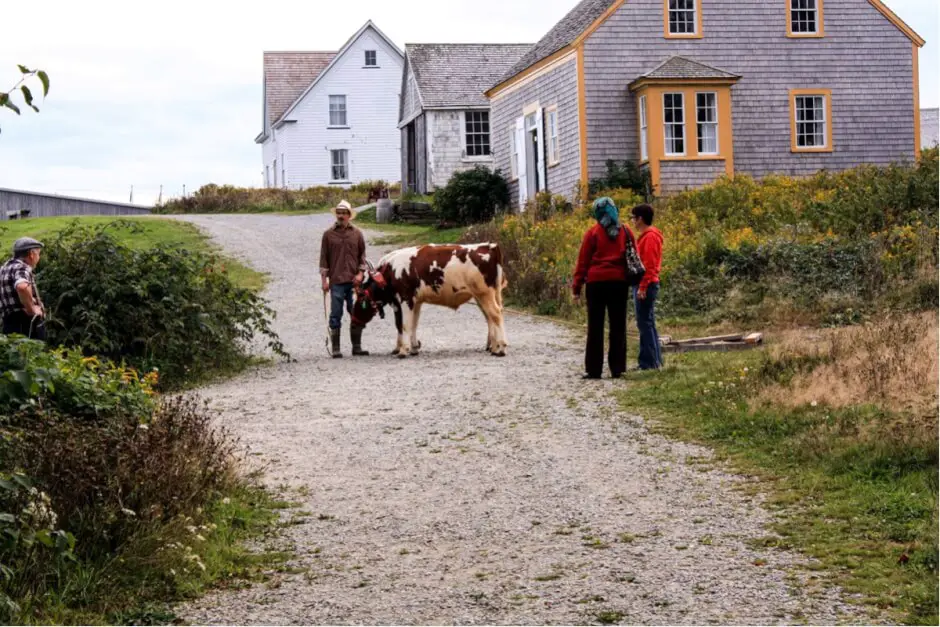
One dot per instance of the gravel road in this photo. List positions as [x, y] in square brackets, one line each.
[459, 488]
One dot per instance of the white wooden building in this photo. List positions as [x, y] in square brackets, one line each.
[330, 118]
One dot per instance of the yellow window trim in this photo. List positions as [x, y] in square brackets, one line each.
[820, 23]
[810, 92]
[698, 25]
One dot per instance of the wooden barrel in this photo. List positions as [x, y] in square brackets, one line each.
[383, 210]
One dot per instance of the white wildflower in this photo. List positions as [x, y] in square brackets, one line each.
[814, 403]
[143, 427]
[191, 528]
[173, 572]
[200, 538]
[226, 501]
[128, 512]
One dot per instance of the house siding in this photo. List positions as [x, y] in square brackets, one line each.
[676, 176]
[872, 94]
[446, 136]
[372, 107]
[411, 101]
[421, 153]
[557, 87]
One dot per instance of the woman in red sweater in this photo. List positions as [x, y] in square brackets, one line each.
[650, 249]
[601, 266]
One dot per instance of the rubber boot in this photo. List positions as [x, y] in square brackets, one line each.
[334, 337]
[355, 334]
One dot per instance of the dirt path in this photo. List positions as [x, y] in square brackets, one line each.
[455, 487]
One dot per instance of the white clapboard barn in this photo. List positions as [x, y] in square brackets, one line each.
[330, 118]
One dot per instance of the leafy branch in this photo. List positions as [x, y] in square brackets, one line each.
[6, 98]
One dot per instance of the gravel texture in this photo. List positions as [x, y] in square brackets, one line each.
[459, 488]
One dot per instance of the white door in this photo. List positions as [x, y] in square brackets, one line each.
[540, 151]
[521, 163]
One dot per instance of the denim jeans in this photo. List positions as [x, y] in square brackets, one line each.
[650, 354]
[340, 294]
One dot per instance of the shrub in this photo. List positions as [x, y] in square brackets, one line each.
[165, 307]
[623, 175]
[472, 196]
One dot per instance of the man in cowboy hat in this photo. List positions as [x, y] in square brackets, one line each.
[342, 269]
[20, 305]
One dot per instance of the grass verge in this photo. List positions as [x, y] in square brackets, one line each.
[406, 234]
[855, 485]
[153, 231]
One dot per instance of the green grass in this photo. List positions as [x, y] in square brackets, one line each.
[142, 581]
[153, 231]
[406, 234]
[853, 487]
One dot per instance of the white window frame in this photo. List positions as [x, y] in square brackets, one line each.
[679, 125]
[822, 109]
[375, 58]
[275, 171]
[339, 108]
[793, 10]
[466, 119]
[513, 154]
[267, 176]
[644, 130]
[693, 10]
[344, 163]
[700, 124]
[554, 144]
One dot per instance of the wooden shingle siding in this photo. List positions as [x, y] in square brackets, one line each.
[421, 152]
[557, 87]
[676, 176]
[411, 103]
[863, 58]
[446, 156]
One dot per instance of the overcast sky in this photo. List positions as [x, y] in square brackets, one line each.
[169, 92]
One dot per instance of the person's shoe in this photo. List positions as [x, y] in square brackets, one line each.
[334, 338]
[616, 375]
[590, 376]
[355, 334]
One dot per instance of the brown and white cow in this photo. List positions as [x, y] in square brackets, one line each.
[436, 274]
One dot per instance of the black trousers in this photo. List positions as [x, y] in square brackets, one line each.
[20, 322]
[608, 297]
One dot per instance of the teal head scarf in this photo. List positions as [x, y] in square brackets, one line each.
[607, 214]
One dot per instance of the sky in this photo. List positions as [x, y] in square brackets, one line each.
[169, 93]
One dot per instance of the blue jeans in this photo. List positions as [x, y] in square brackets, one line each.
[340, 294]
[650, 354]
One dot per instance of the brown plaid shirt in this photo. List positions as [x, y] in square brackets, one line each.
[13, 272]
[342, 254]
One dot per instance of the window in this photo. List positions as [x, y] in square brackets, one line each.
[681, 17]
[644, 139]
[811, 122]
[371, 60]
[513, 154]
[805, 18]
[337, 110]
[554, 155]
[275, 173]
[283, 172]
[674, 124]
[706, 117]
[267, 176]
[340, 160]
[477, 133]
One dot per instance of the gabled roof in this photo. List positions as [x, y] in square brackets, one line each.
[682, 68]
[562, 34]
[332, 62]
[456, 75]
[287, 75]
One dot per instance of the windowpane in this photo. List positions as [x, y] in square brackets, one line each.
[706, 111]
[803, 16]
[682, 17]
[674, 123]
[644, 145]
[340, 170]
[370, 57]
[477, 128]
[337, 110]
[553, 152]
[811, 121]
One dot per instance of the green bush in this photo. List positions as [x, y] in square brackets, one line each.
[623, 175]
[90, 461]
[164, 307]
[472, 196]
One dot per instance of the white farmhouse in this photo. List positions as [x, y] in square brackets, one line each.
[330, 118]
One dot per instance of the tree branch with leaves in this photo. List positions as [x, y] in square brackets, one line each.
[6, 98]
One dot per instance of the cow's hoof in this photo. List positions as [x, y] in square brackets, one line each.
[501, 353]
[402, 355]
[417, 346]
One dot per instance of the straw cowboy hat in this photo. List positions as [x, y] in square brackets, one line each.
[344, 205]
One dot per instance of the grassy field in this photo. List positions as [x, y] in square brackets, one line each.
[153, 231]
[405, 234]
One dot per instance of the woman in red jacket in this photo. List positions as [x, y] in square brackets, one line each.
[650, 249]
[601, 266]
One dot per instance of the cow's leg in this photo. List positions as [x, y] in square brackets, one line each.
[415, 344]
[398, 327]
[494, 318]
[404, 333]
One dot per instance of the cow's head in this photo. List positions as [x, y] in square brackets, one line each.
[371, 297]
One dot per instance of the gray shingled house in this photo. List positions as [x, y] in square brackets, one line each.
[444, 116]
[694, 89]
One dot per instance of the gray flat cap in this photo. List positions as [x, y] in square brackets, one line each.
[25, 244]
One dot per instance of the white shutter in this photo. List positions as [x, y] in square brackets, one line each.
[540, 150]
[521, 163]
